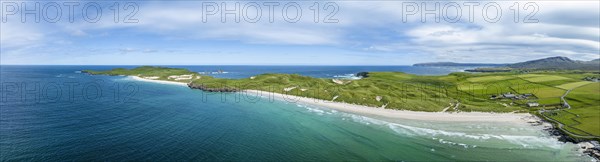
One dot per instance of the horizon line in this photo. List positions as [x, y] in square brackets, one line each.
[189, 65]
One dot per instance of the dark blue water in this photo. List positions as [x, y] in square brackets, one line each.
[53, 113]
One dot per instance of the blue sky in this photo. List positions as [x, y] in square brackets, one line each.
[366, 33]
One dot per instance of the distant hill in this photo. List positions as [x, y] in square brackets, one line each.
[456, 64]
[558, 63]
[550, 63]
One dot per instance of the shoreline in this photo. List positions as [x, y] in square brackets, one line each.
[401, 114]
[382, 112]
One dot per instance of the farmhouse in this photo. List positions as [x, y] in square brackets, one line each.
[509, 95]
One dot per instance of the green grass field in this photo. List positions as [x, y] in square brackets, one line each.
[530, 75]
[426, 93]
[584, 96]
[585, 112]
[541, 91]
[572, 85]
[570, 120]
[542, 78]
[489, 78]
[588, 119]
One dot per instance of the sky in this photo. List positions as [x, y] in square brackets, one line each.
[348, 32]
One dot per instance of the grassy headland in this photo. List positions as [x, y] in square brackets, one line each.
[483, 92]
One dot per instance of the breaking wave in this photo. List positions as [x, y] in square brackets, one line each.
[347, 76]
[524, 141]
[316, 110]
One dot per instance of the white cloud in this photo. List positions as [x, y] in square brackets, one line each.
[16, 35]
[79, 32]
[367, 27]
[184, 20]
[507, 41]
[127, 50]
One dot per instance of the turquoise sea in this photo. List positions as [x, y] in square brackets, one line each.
[55, 113]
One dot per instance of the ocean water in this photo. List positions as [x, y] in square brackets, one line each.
[54, 113]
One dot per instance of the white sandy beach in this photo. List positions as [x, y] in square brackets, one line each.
[401, 114]
[157, 81]
[387, 113]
